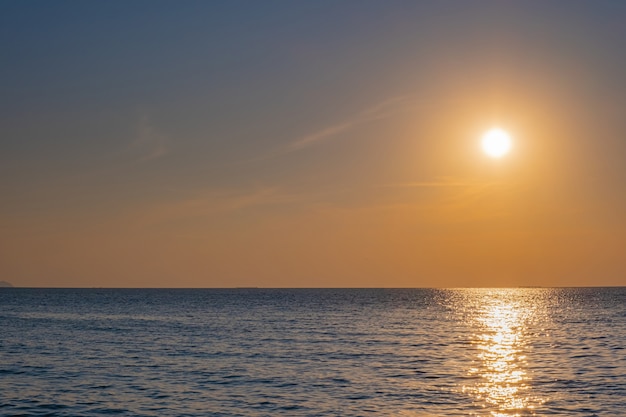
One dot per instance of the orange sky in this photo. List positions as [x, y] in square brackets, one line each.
[343, 157]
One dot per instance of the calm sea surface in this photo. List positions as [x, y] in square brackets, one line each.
[348, 352]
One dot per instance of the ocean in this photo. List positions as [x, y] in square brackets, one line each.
[313, 352]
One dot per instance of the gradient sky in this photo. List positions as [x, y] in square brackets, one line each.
[312, 144]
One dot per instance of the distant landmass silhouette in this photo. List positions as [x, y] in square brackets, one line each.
[5, 284]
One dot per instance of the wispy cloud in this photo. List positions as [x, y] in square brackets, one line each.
[457, 194]
[379, 111]
[471, 186]
[149, 142]
[443, 182]
[214, 202]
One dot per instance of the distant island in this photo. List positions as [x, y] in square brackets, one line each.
[5, 284]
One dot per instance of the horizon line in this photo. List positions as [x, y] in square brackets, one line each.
[316, 288]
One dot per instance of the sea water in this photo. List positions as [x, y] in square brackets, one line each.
[313, 352]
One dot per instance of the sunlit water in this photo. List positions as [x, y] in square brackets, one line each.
[486, 352]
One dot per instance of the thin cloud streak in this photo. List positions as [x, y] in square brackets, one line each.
[212, 203]
[437, 182]
[380, 111]
[429, 184]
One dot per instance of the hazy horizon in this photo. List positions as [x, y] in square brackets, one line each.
[317, 288]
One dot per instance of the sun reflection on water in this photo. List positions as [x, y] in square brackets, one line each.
[500, 319]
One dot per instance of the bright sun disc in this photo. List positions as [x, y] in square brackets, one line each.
[496, 143]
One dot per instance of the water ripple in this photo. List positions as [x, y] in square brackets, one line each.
[509, 352]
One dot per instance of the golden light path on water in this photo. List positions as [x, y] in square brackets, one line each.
[500, 319]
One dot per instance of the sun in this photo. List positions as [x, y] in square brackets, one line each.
[496, 143]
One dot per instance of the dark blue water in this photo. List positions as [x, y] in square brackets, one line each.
[414, 352]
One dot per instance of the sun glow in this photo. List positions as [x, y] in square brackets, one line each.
[496, 143]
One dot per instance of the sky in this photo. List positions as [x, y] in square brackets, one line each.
[312, 143]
